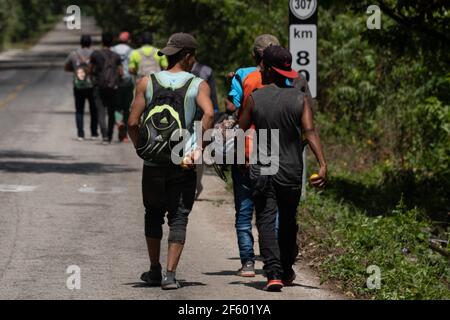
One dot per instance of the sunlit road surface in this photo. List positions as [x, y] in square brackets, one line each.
[67, 203]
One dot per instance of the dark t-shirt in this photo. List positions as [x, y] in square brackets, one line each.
[98, 61]
[206, 73]
[282, 109]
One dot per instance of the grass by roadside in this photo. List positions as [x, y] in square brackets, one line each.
[344, 231]
[341, 240]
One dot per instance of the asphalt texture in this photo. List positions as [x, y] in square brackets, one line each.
[68, 203]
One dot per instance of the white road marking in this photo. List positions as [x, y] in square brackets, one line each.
[115, 190]
[16, 189]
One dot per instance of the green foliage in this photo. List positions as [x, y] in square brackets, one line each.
[225, 29]
[431, 145]
[384, 99]
[23, 19]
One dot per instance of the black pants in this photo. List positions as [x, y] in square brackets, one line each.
[105, 102]
[125, 95]
[279, 254]
[81, 95]
[168, 190]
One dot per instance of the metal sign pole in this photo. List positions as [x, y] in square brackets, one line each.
[303, 47]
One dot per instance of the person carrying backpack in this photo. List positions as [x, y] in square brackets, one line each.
[168, 101]
[145, 60]
[78, 63]
[280, 190]
[126, 85]
[106, 69]
[242, 189]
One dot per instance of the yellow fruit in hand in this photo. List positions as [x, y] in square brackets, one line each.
[315, 176]
[187, 161]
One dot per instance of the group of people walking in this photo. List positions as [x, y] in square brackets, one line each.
[106, 78]
[172, 91]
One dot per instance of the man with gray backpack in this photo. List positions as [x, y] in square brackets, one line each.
[106, 69]
[145, 60]
[78, 64]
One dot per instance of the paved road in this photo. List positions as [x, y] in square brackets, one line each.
[68, 203]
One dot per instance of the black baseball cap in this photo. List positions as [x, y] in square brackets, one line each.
[279, 59]
[178, 42]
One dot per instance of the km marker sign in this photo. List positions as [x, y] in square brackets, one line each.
[303, 39]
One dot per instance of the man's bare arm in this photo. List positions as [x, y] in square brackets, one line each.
[229, 106]
[205, 103]
[245, 120]
[314, 142]
[137, 109]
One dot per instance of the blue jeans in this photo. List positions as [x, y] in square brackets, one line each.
[244, 205]
[243, 202]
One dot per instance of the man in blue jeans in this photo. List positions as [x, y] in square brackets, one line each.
[241, 183]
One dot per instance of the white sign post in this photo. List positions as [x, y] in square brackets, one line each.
[303, 40]
[303, 47]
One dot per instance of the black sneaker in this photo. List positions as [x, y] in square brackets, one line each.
[169, 282]
[154, 277]
[289, 278]
[274, 283]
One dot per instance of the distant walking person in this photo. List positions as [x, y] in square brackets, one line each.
[126, 84]
[145, 60]
[78, 63]
[170, 100]
[280, 108]
[206, 73]
[106, 70]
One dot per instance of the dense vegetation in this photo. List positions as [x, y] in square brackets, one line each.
[383, 109]
[384, 114]
[22, 20]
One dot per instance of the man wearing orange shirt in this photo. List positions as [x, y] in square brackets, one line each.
[244, 83]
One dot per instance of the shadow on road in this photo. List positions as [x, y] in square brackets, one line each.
[257, 258]
[18, 154]
[183, 283]
[85, 168]
[259, 285]
[228, 273]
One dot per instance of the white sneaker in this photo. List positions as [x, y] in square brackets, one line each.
[80, 139]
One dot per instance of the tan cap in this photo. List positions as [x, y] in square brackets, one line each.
[264, 41]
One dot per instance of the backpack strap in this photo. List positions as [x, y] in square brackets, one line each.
[80, 58]
[183, 91]
[153, 85]
[142, 53]
[185, 88]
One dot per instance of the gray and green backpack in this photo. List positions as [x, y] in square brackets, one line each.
[81, 78]
[162, 122]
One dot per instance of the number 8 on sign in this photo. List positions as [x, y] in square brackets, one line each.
[303, 9]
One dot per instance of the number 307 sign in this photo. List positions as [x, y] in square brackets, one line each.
[303, 40]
